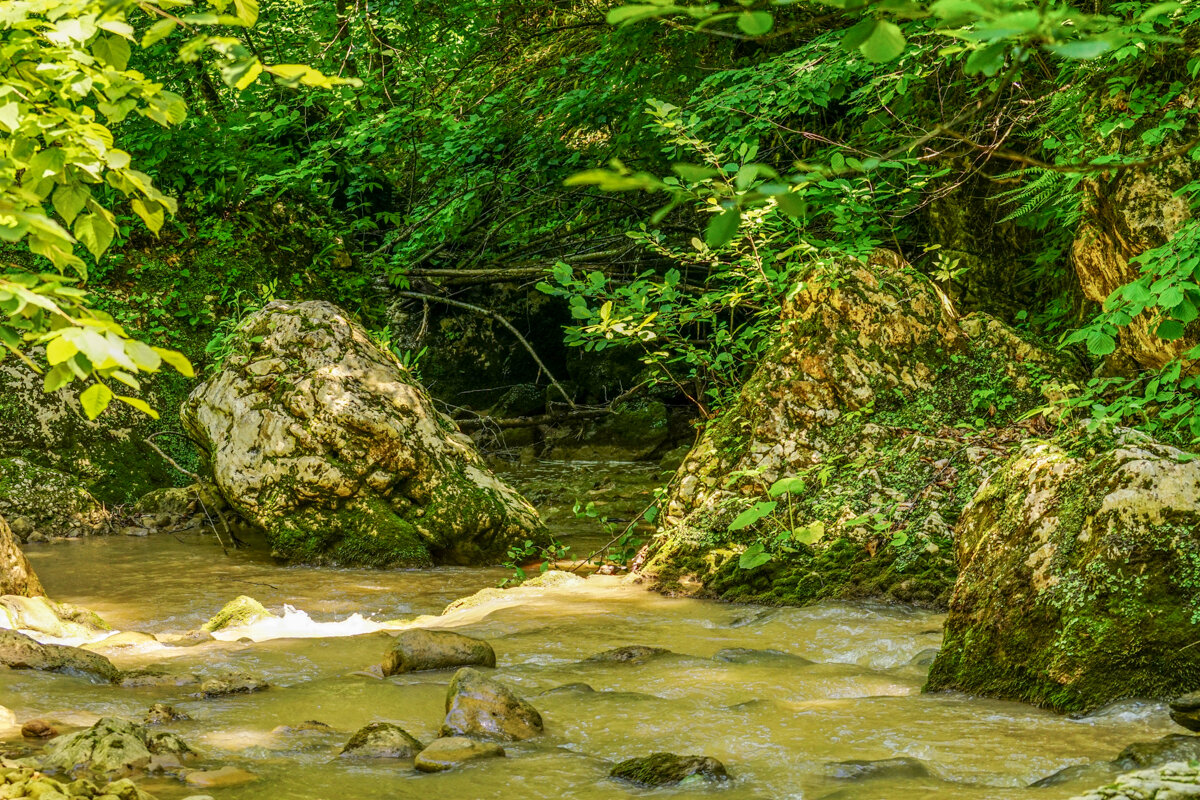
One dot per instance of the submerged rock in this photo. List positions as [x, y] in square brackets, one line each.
[18, 651]
[887, 769]
[1078, 583]
[1075, 773]
[115, 746]
[1185, 711]
[161, 712]
[418, 649]
[452, 751]
[240, 611]
[668, 769]
[479, 706]
[746, 655]
[229, 683]
[1173, 747]
[630, 654]
[218, 778]
[381, 740]
[156, 676]
[861, 402]
[38, 729]
[324, 440]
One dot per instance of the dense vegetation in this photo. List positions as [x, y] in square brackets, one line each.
[400, 155]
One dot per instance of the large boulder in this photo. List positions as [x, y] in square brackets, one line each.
[381, 740]
[324, 440]
[480, 707]
[453, 751]
[43, 615]
[885, 411]
[16, 575]
[417, 650]
[18, 651]
[115, 746]
[1080, 576]
[237, 613]
[43, 503]
[668, 769]
[28, 782]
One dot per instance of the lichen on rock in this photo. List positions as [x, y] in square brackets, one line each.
[43, 503]
[324, 440]
[889, 409]
[1080, 576]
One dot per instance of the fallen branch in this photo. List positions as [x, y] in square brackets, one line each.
[433, 298]
[198, 480]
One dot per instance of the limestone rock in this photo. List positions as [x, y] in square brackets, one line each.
[18, 651]
[1174, 781]
[417, 649]
[381, 740]
[28, 782]
[478, 706]
[452, 751]
[161, 712]
[236, 613]
[113, 746]
[858, 400]
[16, 575]
[668, 769]
[1185, 711]
[323, 439]
[1078, 582]
[48, 502]
[43, 615]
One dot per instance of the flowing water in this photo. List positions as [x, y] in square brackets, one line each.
[806, 689]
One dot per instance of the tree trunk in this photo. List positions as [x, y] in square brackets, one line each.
[16, 575]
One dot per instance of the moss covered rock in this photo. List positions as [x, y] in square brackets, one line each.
[45, 503]
[18, 651]
[43, 615]
[1080, 576]
[240, 611]
[325, 441]
[668, 769]
[28, 782]
[381, 740]
[114, 746]
[887, 411]
[452, 751]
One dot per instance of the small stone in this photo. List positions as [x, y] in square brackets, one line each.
[888, 768]
[231, 683]
[416, 650]
[217, 778]
[381, 740]
[308, 726]
[633, 654]
[156, 676]
[161, 712]
[451, 751]
[667, 769]
[479, 706]
[38, 729]
[1173, 747]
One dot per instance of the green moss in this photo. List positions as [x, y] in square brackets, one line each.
[363, 533]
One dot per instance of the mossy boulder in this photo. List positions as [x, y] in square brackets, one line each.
[1080, 576]
[43, 615]
[887, 411]
[18, 651]
[324, 440]
[1173, 781]
[381, 740]
[115, 746]
[1185, 711]
[668, 769]
[479, 707]
[417, 650]
[240, 611]
[28, 782]
[44, 503]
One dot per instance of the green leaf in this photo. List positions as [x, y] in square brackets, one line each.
[792, 485]
[987, 60]
[792, 204]
[10, 116]
[754, 556]
[150, 212]
[95, 399]
[113, 51]
[1100, 343]
[1081, 49]
[623, 15]
[69, 200]
[59, 350]
[722, 228]
[140, 405]
[159, 31]
[177, 360]
[57, 378]
[752, 515]
[1170, 329]
[885, 43]
[755, 23]
[859, 33]
[95, 231]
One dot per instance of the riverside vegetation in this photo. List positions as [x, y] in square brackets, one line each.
[875, 319]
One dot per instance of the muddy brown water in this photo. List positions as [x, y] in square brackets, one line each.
[811, 687]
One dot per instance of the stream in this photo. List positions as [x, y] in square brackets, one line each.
[795, 692]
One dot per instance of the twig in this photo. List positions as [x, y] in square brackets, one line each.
[198, 480]
[503, 321]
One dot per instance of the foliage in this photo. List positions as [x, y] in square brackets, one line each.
[521, 554]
